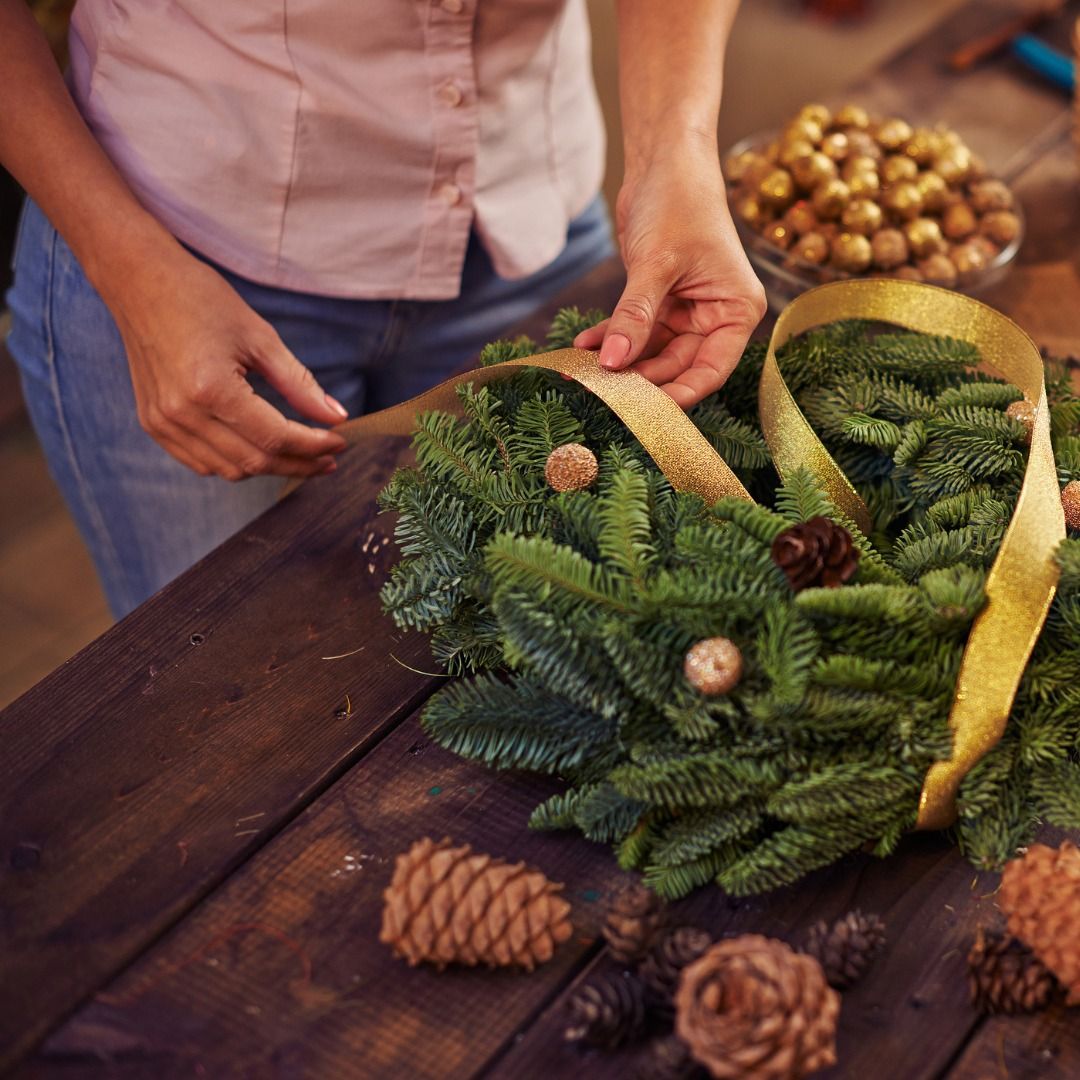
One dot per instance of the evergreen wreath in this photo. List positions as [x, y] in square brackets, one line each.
[571, 613]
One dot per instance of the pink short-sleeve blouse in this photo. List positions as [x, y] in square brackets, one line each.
[347, 147]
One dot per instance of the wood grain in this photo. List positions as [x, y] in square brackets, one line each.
[905, 1021]
[137, 776]
[280, 973]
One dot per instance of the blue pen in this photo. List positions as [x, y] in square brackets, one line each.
[1049, 63]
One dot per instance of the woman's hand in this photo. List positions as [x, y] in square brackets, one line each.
[691, 299]
[191, 342]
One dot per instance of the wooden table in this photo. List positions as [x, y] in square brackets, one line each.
[198, 814]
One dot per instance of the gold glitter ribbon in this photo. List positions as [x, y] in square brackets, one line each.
[1021, 584]
[680, 451]
[1023, 579]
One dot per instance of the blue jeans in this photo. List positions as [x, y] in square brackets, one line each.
[144, 516]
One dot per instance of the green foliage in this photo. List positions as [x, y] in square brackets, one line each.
[573, 612]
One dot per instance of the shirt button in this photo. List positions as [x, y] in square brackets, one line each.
[453, 7]
[450, 194]
[450, 94]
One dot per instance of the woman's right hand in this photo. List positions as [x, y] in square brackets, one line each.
[191, 343]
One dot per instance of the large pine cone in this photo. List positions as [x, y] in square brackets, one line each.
[817, 552]
[660, 970]
[752, 1006]
[1004, 976]
[448, 905]
[847, 948]
[609, 1011]
[1040, 893]
[632, 923]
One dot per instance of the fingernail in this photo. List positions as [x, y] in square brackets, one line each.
[329, 467]
[614, 351]
[336, 405]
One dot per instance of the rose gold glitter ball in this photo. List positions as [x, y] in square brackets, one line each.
[571, 467]
[1023, 411]
[714, 665]
[1070, 503]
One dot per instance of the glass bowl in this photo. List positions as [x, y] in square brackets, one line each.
[785, 276]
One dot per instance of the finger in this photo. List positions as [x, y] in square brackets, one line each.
[672, 360]
[635, 315]
[716, 359]
[256, 420]
[194, 452]
[244, 458]
[295, 383]
[176, 450]
[591, 338]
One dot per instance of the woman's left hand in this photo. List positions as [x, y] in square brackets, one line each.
[691, 299]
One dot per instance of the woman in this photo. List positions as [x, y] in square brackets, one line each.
[248, 221]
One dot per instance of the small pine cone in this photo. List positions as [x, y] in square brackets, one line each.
[752, 1006]
[633, 920]
[1040, 893]
[448, 905]
[1005, 976]
[815, 553]
[660, 970]
[669, 1058]
[607, 1012]
[847, 948]
[571, 467]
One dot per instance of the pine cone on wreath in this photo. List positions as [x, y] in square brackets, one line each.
[450, 905]
[668, 1058]
[1005, 976]
[815, 553]
[660, 970]
[634, 918]
[847, 948]
[609, 1011]
[753, 1007]
[1040, 893]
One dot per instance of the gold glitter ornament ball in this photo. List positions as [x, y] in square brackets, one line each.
[1024, 412]
[571, 467]
[1070, 503]
[714, 666]
[851, 252]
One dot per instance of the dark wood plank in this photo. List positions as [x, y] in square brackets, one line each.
[138, 774]
[1044, 1047]
[142, 772]
[280, 973]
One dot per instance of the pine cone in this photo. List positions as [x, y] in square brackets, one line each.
[1004, 976]
[1040, 893]
[816, 552]
[846, 949]
[447, 905]
[633, 920]
[660, 970]
[752, 1006]
[608, 1012]
[669, 1059]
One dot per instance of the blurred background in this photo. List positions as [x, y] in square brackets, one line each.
[783, 53]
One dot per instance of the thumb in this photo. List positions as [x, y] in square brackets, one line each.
[296, 384]
[635, 316]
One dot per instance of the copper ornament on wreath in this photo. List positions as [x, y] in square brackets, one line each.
[816, 553]
[714, 666]
[571, 467]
